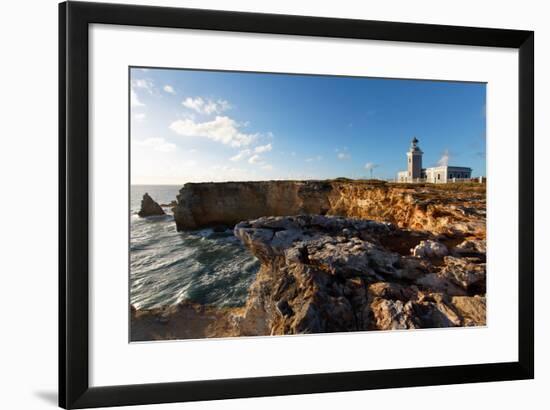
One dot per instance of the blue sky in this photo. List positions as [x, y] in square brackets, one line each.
[197, 126]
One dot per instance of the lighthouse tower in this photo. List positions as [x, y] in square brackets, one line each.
[414, 161]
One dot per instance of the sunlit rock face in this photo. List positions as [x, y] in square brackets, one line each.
[434, 208]
[336, 274]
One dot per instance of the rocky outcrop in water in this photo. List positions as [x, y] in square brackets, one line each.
[334, 274]
[436, 208]
[149, 207]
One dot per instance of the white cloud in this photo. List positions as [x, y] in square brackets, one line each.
[444, 160]
[370, 167]
[317, 158]
[263, 148]
[147, 85]
[257, 160]
[343, 156]
[134, 100]
[254, 159]
[158, 144]
[245, 153]
[221, 129]
[140, 84]
[139, 116]
[241, 155]
[169, 89]
[208, 106]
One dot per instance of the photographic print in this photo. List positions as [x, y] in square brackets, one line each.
[271, 204]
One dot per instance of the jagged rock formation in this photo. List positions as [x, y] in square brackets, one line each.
[434, 208]
[334, 274]
[149, 207]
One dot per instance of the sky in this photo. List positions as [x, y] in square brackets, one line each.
[199, 126]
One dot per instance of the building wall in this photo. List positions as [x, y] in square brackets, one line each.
[444, 174]
[414, 164]
[459, 173]
[402, 176]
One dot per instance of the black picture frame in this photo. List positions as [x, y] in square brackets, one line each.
[74, 388]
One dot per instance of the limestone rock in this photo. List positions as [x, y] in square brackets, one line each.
[471, 246]
[393, 314]
[473, 309]
[334, 274]
[149, 207]
[430, 249]
[429, 208]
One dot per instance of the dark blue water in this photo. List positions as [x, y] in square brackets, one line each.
[167, 267]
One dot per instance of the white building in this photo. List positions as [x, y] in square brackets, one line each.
[440, 174]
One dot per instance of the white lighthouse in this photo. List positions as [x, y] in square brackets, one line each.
[438, 174]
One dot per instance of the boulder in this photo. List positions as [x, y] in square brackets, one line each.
[430, 249]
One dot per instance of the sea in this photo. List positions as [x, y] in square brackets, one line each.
[168, 267]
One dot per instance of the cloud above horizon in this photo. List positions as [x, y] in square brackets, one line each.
[369, 166]
[254, 159]
[206, 106]
[311, 159]
[144, 84]
[444, 159]
[158, 144]
[169, 89]
[241, 155]
[253, 156]
[263, 148]
[221, 129]
[134, 99]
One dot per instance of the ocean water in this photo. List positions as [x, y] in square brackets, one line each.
[167, 267]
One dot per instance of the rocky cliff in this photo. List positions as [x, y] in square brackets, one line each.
[339, 256]
[434, 208]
